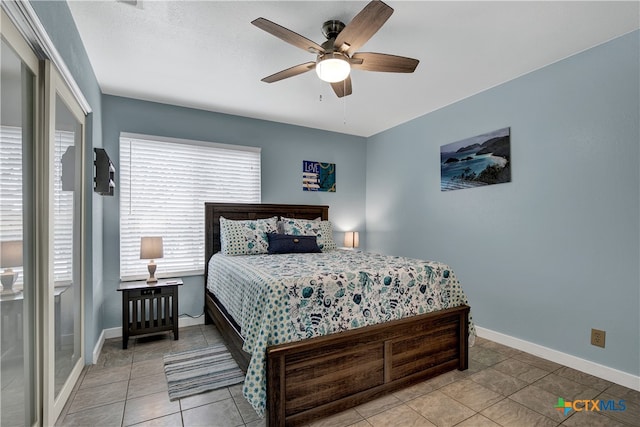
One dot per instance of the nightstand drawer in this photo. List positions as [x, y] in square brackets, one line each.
[146, 293]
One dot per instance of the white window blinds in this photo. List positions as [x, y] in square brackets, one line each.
[11, 183]
[164, 184]
[11, 187]
[11, 192]
[63, 200]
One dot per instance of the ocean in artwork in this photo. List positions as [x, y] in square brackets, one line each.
[477, 161]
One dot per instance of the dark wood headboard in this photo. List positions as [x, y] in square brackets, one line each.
[213, 212]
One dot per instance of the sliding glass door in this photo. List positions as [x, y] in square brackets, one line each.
[18, 139]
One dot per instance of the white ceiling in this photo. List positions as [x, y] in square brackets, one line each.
[207, 55]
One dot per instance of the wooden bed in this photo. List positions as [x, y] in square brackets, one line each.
[320, 376]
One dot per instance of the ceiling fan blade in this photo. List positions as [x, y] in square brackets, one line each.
[288, 35]
[363, 26]
[384, 62]
[290, 72]
[342, 88]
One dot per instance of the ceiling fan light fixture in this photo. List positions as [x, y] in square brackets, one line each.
[340, 51]
[333, 67]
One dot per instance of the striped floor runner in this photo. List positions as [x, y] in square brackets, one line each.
[196, 371]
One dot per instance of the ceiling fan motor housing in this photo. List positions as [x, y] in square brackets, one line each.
[332, 28]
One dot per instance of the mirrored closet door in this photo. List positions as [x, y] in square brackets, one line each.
[42, 228]
[18, 139]
[63, 302]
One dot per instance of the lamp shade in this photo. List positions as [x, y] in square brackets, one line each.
[351, 239]
[333, 67]
[151, 248]
[11, 254]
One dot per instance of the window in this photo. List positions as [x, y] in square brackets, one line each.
[11, 188]
[164, 184]
[11, 191]
[63, 194]
[11, 182]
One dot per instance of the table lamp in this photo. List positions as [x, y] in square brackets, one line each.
[10, 256]
[351, 239]
[151, 248]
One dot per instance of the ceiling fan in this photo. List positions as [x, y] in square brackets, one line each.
[337, 55]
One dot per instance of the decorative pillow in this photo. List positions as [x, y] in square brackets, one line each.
[323, 230]
[289, 244]
[246, 237]
[328, 243]
[281, 224]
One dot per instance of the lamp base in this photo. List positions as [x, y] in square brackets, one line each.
[8, 278]
[152, 272]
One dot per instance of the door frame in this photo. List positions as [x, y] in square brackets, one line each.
[55, 86]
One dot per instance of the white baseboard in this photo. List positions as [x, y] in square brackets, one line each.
[106, 334]
[610, 374]
[98, 348]
[183, 322]
[112, 333]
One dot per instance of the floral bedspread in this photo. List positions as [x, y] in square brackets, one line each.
[289, 297]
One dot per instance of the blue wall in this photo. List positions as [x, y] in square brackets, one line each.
[555, 252]
[284, 147]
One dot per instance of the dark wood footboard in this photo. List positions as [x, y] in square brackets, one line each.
[321, 376]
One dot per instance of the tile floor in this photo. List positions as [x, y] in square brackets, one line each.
[503, 387]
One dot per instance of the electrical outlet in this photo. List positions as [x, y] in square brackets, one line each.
[598, 337]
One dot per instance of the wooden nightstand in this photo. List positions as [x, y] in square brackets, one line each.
[149, 308]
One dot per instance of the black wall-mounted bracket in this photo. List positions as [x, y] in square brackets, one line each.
[105, 173]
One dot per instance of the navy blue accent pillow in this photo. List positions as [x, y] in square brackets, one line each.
[289, 244]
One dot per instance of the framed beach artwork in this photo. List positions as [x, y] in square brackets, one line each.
[477, 161]
[318, 176]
